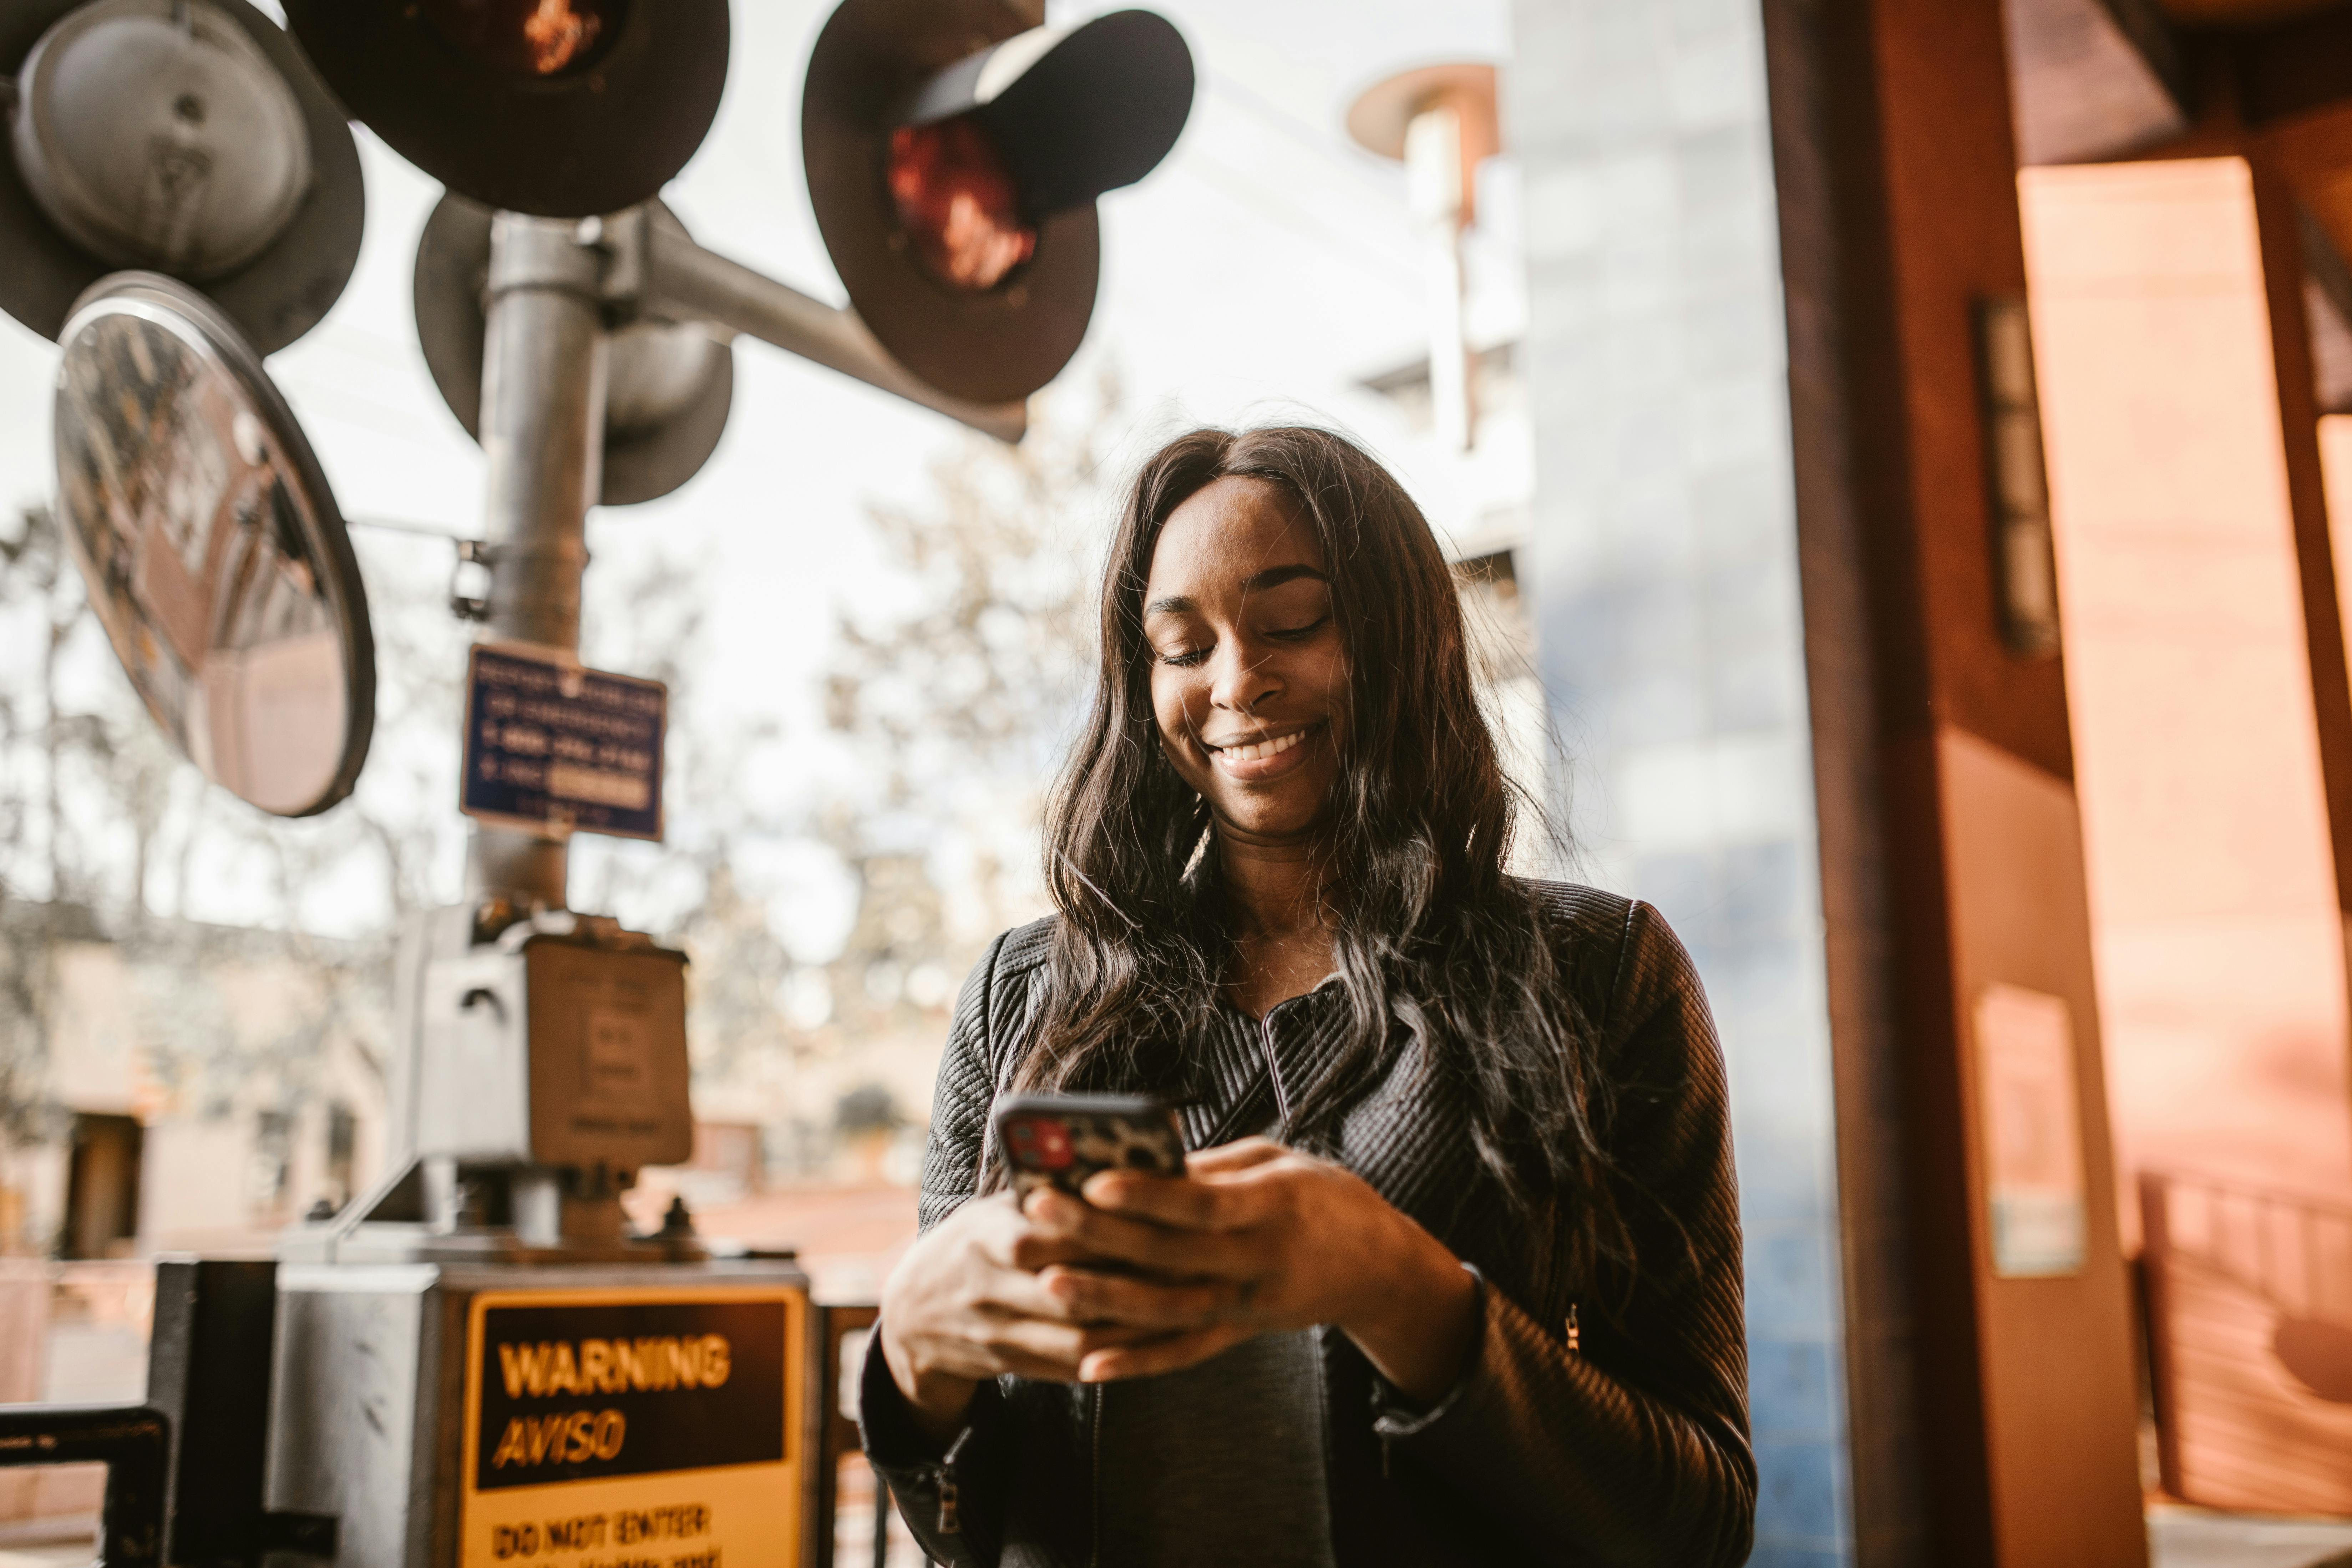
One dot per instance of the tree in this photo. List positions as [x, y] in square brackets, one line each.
[107, 836]
[953, 709]
[959, 705]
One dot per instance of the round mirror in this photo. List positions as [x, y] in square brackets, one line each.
[211, 546]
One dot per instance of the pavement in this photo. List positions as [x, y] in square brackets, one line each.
[2181, 1537]
[2178, 1538]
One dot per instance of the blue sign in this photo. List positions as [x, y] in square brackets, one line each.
[552, 748]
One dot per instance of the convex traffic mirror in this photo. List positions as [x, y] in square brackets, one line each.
[211, 547]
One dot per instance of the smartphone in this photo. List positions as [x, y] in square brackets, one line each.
[1062, 1140]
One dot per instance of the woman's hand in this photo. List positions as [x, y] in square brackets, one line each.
[988, 1292]
[1296, 1239]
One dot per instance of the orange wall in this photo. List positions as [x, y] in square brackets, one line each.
[2220, 948]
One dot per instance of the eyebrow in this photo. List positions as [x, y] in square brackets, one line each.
[1272, 577]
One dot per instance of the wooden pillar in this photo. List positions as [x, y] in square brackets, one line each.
[1953, 882]
[2279, 222]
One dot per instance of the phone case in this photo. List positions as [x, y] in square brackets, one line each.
[1063, 1140]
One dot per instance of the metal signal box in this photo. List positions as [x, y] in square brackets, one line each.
[499, 1415]
[555, 1050]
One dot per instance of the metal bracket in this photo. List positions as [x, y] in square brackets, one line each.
[470, 606]
[682, 281]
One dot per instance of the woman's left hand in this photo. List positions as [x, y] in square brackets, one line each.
[1307, 1241]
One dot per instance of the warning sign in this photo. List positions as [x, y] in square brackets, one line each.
[633, 1428]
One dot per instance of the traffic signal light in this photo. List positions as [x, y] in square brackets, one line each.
[954, 156]
[555, 108]
[669, 383]
[185, 137]
[955, 184]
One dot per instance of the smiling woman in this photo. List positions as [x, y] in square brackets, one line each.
[1453, 1273]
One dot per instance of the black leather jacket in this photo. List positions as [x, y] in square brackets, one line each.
[1630, 1449]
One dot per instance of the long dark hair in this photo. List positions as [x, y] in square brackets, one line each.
[1429, 932]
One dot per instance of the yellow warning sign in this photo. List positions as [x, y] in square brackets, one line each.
[656, 1427]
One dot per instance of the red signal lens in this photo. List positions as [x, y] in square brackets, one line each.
[527, 38]
[957, 202]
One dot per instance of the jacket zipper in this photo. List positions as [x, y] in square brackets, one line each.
[1094, 1511]
[1094, 1542]
[950, 1522]
[1274, 1073]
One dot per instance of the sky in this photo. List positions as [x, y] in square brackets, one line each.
[1262, 270]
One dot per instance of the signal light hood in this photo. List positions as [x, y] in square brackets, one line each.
[1071, 113]
[1075, 111]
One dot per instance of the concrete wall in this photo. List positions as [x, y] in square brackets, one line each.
[1663, 569]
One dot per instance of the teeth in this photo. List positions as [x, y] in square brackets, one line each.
[1258, 750]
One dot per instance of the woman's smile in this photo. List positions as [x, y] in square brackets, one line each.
[1269, 755]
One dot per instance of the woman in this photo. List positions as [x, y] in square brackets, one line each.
[1452, 1275]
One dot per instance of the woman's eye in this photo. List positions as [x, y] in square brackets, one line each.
[1182, 658]
[1295, 633]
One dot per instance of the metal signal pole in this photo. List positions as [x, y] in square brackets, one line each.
[543, 385]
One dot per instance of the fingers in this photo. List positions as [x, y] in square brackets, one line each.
[1033, 1347]
[1092, 1231]
[1169, 1352]
[997, 1295]
[1039, 1281]
[1088, 1296]
[1237, 1156]
[1010, 1241]
[1177, 1201]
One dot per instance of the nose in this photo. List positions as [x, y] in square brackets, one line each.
[1240, 679]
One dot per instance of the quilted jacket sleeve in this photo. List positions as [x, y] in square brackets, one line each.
[1631, 1450]
[954, 1500]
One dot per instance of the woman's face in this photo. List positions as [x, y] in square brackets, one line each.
[1249, 675]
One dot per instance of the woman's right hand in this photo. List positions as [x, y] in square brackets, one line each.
[985, 1293]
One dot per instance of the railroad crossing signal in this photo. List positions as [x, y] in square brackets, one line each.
[955, 153]
[955, 184]
[954, 156]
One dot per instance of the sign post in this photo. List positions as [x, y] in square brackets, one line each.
[543, 378]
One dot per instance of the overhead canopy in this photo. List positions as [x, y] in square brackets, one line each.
[2097, 79]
